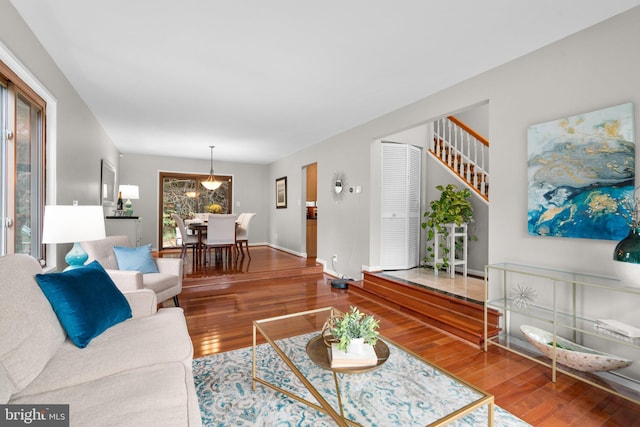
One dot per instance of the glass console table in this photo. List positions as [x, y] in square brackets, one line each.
[567, 307]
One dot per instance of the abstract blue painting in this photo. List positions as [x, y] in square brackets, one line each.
[582, 175]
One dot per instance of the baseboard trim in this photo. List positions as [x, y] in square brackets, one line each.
[292, 252]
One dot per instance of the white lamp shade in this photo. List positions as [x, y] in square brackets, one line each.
[129, 192]
[70, 224]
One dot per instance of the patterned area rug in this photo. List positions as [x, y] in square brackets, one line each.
[223, 384]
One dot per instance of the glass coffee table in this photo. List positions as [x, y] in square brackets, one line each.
[402, 389]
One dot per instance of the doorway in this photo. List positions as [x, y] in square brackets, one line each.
[435, 174]
[312, 210]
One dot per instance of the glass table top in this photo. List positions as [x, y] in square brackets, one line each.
[406, 390]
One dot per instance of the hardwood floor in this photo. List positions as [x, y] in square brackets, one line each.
[219, 313]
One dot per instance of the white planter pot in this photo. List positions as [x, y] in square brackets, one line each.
[356, 346]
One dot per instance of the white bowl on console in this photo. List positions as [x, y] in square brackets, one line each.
[571, 354]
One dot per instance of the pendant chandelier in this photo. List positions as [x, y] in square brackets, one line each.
[211, 183]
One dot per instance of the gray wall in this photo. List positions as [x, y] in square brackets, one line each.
[477, 118]
[80, 142]
[343, 226]
[251, 189]
[584, 72]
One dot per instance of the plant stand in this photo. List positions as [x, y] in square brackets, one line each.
[452, 234]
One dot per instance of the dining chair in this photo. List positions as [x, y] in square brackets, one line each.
[188, 240]
[221, 234]
[242, 232]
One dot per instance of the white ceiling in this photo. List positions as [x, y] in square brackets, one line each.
[261, 79]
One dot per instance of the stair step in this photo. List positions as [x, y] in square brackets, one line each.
[460, 317]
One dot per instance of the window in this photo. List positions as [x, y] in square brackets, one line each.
[22, 144]
[183, 194]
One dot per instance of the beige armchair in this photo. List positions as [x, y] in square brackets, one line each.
[167, 283]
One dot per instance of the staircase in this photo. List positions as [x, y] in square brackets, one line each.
[464, 152]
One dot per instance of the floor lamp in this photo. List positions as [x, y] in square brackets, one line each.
[73, 224]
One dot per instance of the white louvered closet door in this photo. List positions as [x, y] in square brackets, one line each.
[400, 234]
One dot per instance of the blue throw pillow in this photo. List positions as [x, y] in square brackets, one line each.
[86, 301]
[135, 259]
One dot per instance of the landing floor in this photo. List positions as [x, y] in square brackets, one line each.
[467, 287]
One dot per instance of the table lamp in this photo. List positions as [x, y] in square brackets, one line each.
[73, 224]
[129, 192]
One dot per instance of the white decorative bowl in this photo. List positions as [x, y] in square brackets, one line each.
[571, 354]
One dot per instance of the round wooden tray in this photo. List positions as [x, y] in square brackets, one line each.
[319, 353]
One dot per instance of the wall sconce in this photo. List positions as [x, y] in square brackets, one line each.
[338, 187]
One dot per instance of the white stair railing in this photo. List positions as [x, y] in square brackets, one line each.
[464, 151]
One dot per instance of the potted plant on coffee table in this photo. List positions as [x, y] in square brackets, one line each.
[453, 207]
[352, 327]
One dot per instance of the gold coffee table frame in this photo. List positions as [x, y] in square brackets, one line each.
[281, 327]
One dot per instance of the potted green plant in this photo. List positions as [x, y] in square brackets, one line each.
[453, 207]
[352, 326]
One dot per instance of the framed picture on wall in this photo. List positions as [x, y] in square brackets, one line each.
[582, 175]
[108, 194]
[281, 192]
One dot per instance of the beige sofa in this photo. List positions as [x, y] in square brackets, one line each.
[136, 373]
